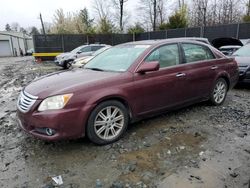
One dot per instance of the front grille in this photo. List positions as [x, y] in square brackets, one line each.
[25, 101]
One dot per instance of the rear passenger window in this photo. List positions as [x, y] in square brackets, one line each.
[167, 55]
[195, 52]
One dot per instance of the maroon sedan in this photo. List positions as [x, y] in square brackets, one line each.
[123, 84]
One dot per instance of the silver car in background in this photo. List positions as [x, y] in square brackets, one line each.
[80, 62]
[65, 59]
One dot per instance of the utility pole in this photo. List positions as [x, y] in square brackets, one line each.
[154, 24]
[42, 24]
[121, 14]
[204, 19]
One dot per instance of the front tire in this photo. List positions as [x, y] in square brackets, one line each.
[66, 65]
[219, 92]
[107, 122]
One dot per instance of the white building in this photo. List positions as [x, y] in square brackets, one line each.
[11, 43]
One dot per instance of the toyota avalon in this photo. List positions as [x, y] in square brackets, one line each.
[123, 84]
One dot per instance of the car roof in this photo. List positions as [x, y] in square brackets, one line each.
[162, 41]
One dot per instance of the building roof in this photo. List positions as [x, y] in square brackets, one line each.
[15, 34]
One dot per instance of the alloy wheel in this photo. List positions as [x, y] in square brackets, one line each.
[109, 122]
[220, 91]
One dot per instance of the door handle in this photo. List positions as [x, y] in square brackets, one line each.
[214, 67]
[180, 75]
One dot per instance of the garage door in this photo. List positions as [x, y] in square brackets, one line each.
[5, 48]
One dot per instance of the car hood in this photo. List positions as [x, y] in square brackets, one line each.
[62, 55]
[82, 58]
[243, 61]
[65, 82]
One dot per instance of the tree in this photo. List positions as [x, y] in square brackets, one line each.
[59, 22]
[15, 26]
[161, 10]
[179, 19]
[34, 31]
[153, 13]
[148, 9]
[248, 8]
[246, 18]
[7, 27]
[64, 23]
[85, 24]
[163, 26]
[181, 3]
[22, 30]
[137, 28]
[105, 26]
[212, 12]
[119, 6]
[47, 27]
[102, 9]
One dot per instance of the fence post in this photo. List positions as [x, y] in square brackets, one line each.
[148, 35]
[238, 31]
[87, 39]
[201, 31]
[63, 43]
[112, 39]
[166, 34]
[185, 32]
[133, 36]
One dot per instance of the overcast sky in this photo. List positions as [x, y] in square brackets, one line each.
[26, 12]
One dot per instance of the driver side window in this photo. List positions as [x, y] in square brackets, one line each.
[167, 55]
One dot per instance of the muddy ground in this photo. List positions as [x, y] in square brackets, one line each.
[198, 146]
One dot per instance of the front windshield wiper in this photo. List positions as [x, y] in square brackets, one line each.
[95, 69]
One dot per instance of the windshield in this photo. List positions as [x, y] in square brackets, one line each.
[100, 51]
[116, 59]
[243, 51]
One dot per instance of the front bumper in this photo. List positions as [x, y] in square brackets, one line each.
[67, 123]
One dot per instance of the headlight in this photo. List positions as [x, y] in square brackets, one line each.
[55, 102]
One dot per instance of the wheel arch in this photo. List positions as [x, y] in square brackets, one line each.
[119, 99]
[225, 76]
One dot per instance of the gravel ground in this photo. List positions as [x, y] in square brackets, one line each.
[198, 146]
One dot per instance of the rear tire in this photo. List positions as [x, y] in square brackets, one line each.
[219, 92]
[107, 122]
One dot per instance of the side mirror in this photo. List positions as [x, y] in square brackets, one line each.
[78, 52]
[148, 67]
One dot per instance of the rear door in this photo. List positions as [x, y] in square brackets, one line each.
[163, 88]
[200, 66]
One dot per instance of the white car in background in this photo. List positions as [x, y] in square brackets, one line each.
[80, 62]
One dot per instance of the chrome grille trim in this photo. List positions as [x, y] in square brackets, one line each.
[25, 101]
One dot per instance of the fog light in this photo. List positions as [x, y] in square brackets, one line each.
[49, 131]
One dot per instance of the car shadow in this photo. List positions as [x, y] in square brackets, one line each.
[243, 86]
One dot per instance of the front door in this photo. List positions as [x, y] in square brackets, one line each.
[163, 88]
